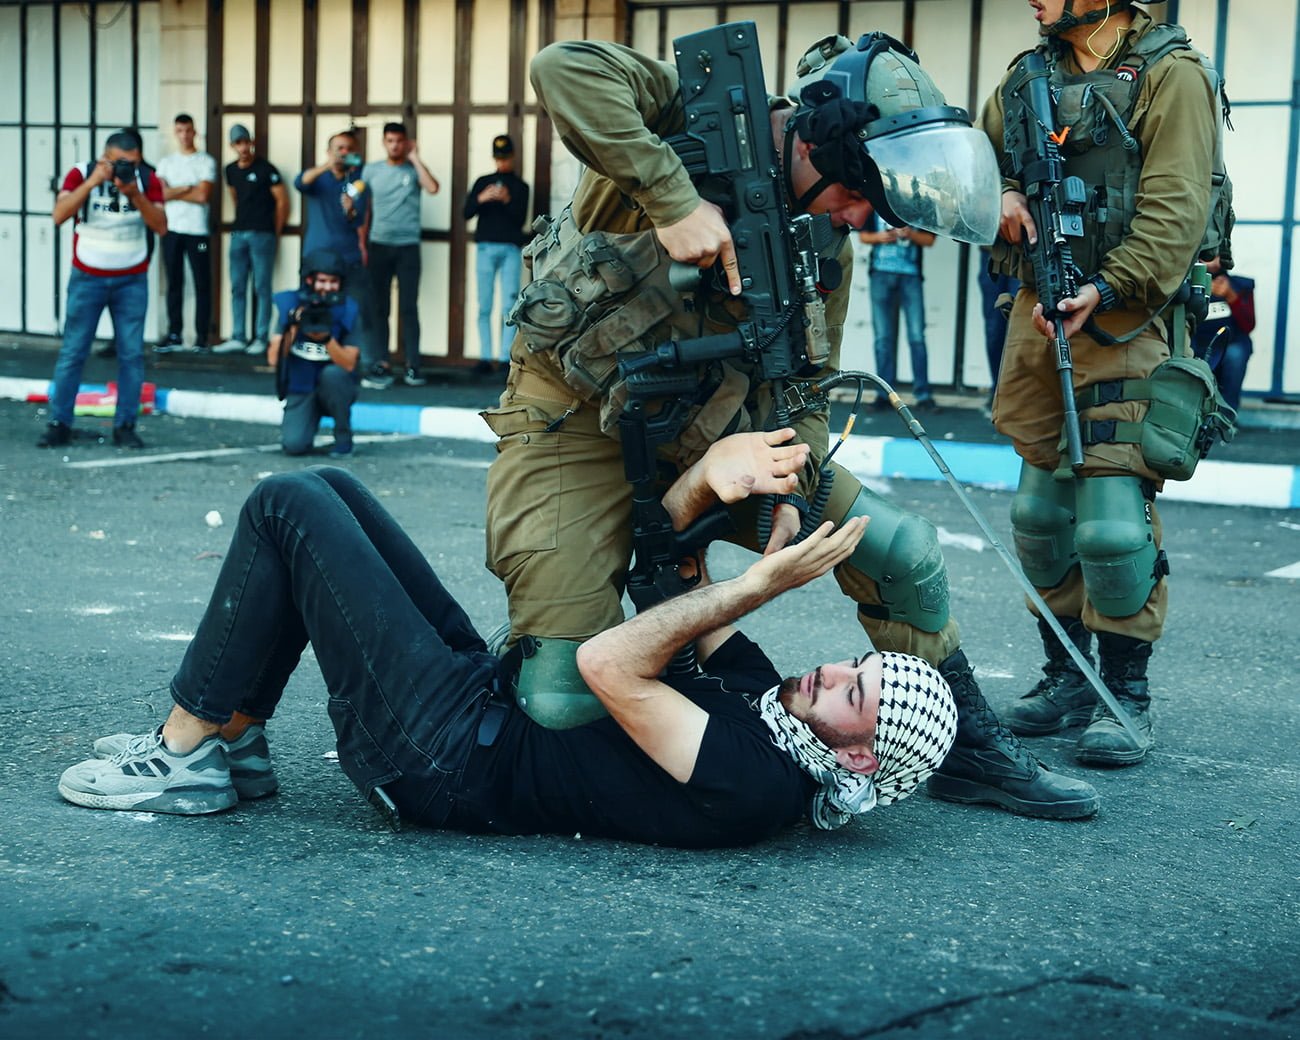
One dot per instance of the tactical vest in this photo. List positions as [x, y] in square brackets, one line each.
[595, 296]
[1099, 108]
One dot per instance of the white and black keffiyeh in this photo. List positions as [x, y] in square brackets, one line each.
[916, 727]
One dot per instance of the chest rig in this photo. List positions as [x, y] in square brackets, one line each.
[1099, 107]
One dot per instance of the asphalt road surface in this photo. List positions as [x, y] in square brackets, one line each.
[1174, 913]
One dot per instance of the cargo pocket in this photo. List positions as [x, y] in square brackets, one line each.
[523, 488]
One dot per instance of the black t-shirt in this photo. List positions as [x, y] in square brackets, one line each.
[254, 203]
[499, 221]
[595, 781]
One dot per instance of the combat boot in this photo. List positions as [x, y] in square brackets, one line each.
[988, 764]
[1063, 696]
[1124, 671]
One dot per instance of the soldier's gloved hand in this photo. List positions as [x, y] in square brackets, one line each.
[702, 238]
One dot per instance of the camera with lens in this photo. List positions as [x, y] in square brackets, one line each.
[315, 318]
[124, 170]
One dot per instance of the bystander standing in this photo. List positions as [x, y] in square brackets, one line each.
[187, 176]
[500, 201]
[393, 237]
[261, 204]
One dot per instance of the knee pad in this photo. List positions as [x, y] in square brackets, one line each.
[1116, 544]
[1043, 526]
[549, 687]
[900, 552]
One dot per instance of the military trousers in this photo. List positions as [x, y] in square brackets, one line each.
[1027, 408]
[559, 528]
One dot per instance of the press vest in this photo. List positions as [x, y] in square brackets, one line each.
[111, 234]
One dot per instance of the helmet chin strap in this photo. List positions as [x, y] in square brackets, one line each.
[787, 166]
[1069, 20]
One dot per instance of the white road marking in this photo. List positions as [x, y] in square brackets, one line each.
[973, 542]
[1291, 571]
[221, 453]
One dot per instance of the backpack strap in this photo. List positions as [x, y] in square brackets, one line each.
[84, 216]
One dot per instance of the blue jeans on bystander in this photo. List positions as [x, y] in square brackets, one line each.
[255, 251]
[127, 298]
[493, 260]
[890, 293]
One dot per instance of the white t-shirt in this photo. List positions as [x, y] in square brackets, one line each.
[182, 171]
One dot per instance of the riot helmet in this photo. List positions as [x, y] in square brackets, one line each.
[877, 124]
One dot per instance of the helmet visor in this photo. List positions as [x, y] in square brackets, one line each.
[943, 178]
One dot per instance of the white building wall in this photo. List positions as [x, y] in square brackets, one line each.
[172, 38]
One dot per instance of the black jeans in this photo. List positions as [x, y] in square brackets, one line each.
[316, 558]
[177, 249]
[402, 262]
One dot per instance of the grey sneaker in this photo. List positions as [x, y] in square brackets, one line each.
[258, 346]
[147, 777]
[249, 754]
[231, 346]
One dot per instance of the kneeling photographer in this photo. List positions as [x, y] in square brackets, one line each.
[315, 372]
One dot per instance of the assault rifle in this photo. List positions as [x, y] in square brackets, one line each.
[728, 151]
[1056, 203]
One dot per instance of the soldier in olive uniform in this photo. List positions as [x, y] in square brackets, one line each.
[559, 511]
[1141, 110]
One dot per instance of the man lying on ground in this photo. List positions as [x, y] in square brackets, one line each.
[726, 756]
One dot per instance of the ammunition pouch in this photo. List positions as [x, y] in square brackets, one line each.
[593, 296]
[1185, 415]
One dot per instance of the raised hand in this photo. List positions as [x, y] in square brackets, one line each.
[747, 464]
[796, 565]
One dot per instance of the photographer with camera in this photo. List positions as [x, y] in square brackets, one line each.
[315, 372]
[117, 204]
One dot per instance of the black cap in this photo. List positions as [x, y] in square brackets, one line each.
[502, 146]
[239, 132]
[322, 261]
